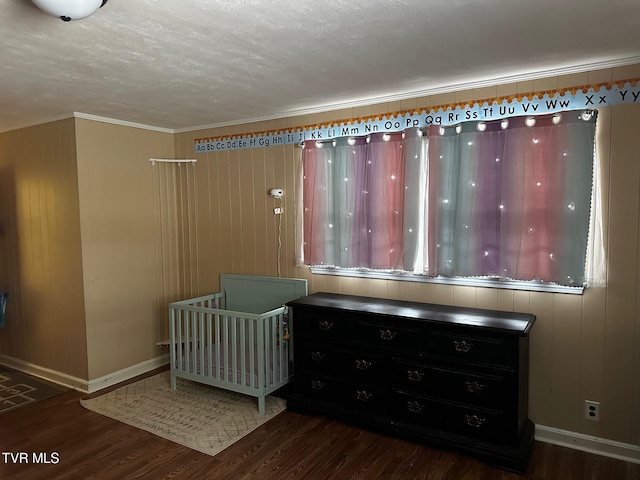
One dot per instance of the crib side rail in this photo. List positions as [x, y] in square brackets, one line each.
[214, 300]
[247, 350]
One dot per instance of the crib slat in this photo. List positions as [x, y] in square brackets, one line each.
[261, 354]
[193, 354]
[243, 352]
[225, 338]
[180, 340]
[234, 350]
[272, 341]
[209, 345]
[252, 356]
[201, 344]
[188, 342]
[219, 324]
[216, 362]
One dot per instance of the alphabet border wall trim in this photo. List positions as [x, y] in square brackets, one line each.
[534, 103]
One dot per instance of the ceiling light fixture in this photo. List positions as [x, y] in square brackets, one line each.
[68, 10]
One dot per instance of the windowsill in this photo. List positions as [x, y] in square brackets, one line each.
[464, 281]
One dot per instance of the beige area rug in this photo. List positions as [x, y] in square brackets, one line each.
[197, 416]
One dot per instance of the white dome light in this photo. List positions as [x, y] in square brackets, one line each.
[70, 9]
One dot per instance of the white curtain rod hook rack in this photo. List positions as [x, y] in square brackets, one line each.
[172, 160]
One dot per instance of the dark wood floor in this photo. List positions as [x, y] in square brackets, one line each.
[90, 446]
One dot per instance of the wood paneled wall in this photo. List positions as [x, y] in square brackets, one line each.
[582, 347]
[40, 263]
[238, 231]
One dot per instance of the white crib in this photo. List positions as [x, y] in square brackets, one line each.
[236, 339]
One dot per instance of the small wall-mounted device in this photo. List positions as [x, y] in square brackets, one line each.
[276, 193]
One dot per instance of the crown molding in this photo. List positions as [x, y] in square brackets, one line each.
[124, 123]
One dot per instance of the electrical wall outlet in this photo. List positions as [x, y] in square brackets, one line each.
[592, 410]
[277, 210]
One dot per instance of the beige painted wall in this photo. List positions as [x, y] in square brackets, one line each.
[120, 249]
[40, 262]
[79, 236]
[582, 347]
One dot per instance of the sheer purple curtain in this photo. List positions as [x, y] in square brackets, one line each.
[334, 202]
[354, 200]
[511, 198]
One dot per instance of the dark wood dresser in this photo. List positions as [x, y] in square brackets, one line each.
[450, 377]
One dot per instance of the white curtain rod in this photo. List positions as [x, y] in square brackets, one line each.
[172, 160]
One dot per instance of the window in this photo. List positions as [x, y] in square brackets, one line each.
[508, 199]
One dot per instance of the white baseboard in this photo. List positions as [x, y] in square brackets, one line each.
[44, 373]
[80, 384]
[587, 443]
[127, 373]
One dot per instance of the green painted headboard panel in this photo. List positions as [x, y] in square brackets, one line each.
[255, 294]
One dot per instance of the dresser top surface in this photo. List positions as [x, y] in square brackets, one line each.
[514, 323]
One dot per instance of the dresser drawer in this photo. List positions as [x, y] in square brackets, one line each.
[319, 357]
[390, 336]
[480, 423]
[363, 396]
[467, 348]
[329, 326]
[456, 385]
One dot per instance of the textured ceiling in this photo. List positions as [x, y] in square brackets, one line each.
[179, 64]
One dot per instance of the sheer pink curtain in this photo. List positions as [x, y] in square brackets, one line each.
[353, 202]
[317, 191]
[385, 201]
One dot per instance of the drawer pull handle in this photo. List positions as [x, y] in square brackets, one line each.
[475, 421]
[415, 407]
[324, 325]
[317, 356]
[363, 365]
[462, 346]
[387, 335]
[318, 385]
[475, 387]
[415, 375]
[363, 395]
